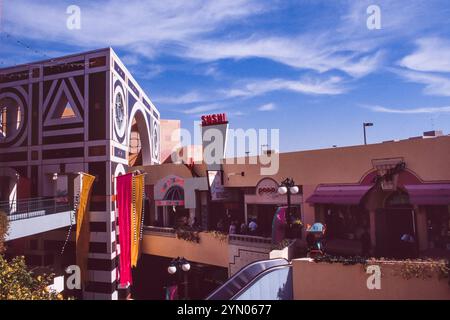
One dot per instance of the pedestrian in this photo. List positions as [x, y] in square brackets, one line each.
[243, 229]
[252, 226]
[233, 228]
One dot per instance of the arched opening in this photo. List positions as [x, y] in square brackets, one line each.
[139, 149]
[170, 210]
[175, 193]
[399, 234]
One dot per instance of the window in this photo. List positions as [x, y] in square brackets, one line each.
[119, 110]
[10, 118]
[64, 109]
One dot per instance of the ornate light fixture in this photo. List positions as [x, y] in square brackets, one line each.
[288, 187]
[177, 263]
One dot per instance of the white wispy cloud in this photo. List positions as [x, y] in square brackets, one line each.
[196, 30]
[313, 86]
[143, 25]
[186, 98]
[435, 84]
[146, 71]
[311, 51]
[203, 108]
[184, 28]
[250, 88]
[432, 55]
[267, 107]
[411, 110]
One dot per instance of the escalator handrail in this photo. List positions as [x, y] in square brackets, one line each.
[258, 277]
[277, 262]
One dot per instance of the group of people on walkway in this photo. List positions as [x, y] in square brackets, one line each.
[236, 227]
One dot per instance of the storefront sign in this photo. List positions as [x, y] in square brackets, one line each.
[266, 192]
[388, 171]
[216, 187]
[267, 188]
[163, 185]
[213, 119]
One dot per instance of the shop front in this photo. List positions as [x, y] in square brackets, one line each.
[261, 205]
[390, 213]
[170, 208]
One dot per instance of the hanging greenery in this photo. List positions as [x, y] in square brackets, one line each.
[280, 246]
[407, 269]
[221, 236]
[424, 269]
[188, 234]
[344, 260]
[3, 231]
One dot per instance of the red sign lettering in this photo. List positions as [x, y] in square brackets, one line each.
[263, 190]
[212, 119]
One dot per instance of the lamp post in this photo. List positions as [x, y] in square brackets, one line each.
[366, 124]
[184, 265]
[288, 187]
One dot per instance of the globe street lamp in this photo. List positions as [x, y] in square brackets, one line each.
[184, 265]
[288, 187]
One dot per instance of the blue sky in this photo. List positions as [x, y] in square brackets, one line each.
[311, 68]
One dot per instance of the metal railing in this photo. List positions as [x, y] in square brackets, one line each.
[236, 238]
[34, 207]
[161, 231]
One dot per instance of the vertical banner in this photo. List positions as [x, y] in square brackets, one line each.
[136, 217]
[83, 230]
[172, 292]
[216, 187]
[279, 225]
[124, 193]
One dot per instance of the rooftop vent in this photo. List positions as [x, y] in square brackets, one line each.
[431, 134]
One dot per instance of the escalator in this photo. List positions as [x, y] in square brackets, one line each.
[260, 280]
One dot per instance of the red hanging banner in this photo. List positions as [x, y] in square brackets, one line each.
[124, 193]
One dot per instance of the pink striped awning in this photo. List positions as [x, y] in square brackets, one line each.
[429, 193]
[339, 194]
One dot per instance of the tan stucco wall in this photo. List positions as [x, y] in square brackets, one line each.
[157, 172]
[428, 158]
[170, 137]
[210, 250]
[315, 281]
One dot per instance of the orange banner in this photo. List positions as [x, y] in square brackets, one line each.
[136, 216]
[83, 230]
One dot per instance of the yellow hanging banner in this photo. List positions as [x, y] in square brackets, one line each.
[136, 216]
[83, 230]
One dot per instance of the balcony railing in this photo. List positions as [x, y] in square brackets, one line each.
[34, 207]
[161, 231]
[243, 238]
